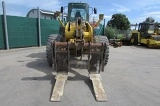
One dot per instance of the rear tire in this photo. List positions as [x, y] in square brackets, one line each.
[50, 48]
[103, 39]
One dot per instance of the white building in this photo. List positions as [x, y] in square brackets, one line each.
[44, 14]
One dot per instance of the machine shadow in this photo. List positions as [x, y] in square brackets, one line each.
[40, 64]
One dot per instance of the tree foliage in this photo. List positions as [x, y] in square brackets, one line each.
[157, 24]
[150, 20]
[119, 21]
[110, 32]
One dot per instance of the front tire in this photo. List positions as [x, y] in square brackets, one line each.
[103, 39]
[50, 48]
[134, 39]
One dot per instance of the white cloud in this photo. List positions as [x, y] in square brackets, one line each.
[120, 8]
[141, 4]
[151, 8]
[155, 15]
[107, 16]
[137, 20]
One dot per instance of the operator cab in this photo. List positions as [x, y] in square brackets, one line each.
[78, 10]
[146, 29]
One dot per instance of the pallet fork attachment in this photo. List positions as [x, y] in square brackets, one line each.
[62, 61]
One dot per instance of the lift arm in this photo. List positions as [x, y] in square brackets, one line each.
[101, 16]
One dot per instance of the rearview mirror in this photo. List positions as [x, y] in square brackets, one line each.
[95, 11]
[61, 9]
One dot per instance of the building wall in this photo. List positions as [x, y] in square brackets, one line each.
[34, 14]
[46, 16]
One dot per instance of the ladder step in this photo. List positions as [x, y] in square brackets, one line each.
[98, 87]
[58, 87]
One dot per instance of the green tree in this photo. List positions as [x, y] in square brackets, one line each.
[150, 20]
[110, 32]
[119, 21]
[157, 24]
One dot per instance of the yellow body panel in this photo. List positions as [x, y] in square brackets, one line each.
[147, 41]
[144, 41]
[157, 43]
[150, 41]
[136, 32]
[88, 35]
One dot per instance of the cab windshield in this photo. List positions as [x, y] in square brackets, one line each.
[75, 13]
[151, 27]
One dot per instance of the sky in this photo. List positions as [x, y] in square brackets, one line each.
[135, 10]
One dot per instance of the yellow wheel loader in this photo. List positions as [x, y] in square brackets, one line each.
[147, 34]
[77, 43]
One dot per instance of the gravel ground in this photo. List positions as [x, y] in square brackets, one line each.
[131, 78]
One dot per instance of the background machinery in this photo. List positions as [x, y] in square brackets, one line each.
[147, 34]
[76, 43]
